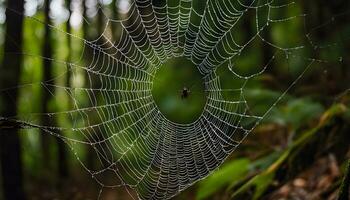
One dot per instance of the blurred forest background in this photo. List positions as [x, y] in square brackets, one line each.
[300, 151]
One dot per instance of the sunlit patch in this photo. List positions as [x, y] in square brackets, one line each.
[124, 6]
[76, 19]
[58, 12]
[30, 7]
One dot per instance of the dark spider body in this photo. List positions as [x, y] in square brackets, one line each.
[185, 93]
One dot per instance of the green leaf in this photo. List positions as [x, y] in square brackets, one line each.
[261, 182]
[229, 173]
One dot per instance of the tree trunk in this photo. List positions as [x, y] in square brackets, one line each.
[85, 20]
[61, 147]
[47, 90]
[92, 82]
[89, 150]
[10, 151]
[114, 16]
[100, 19]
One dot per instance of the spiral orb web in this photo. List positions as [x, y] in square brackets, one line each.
[115, 114]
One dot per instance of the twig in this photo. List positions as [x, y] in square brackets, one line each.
[14, 124]
[345, 186]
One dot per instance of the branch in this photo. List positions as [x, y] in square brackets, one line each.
[6, 123]
[345, 186]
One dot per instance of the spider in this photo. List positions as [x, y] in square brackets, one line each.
[185, 93]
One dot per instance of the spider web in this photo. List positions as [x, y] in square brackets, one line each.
[134, 142]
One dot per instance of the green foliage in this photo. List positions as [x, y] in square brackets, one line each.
[296, 112]
[228, 174]
[259, 183]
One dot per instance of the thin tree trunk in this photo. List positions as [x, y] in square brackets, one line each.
[100, 19]
[85, 20]
[115, 16]
[96, 84]
[92, 81]
[10, 151]
[62, 154]
[89, 150]
[47, 90]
